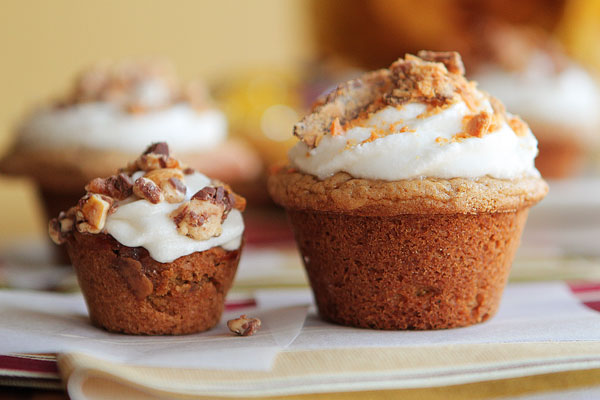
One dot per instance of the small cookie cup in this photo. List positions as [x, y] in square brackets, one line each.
[127, 291]
[155, 246]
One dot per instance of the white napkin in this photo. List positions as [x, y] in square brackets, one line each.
[540, 312]
[47, 322]
[540, 328]
[38, 322]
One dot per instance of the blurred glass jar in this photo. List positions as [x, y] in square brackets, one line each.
[262, 108]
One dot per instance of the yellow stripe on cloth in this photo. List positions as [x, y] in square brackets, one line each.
[384, 370]
[98, 388]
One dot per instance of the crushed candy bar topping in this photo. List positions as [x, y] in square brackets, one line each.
[145, 188]
[244, 325]
[118, 186]
[91, 213]
[428, 80]
[519, 126]
[159, 178]
[435, 79]
[155, 157]
[137, 87]
[216, 195]
[478, 125]
[202, 217]
[60, 227]
[171, 183]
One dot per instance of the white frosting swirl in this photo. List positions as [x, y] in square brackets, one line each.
[106, 126]
[569, 98]
[419, 147]
[139, 223]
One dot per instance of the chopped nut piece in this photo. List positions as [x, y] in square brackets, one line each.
[189, 171]
[170, 181]
[416, 80]
[118, 186]
[161, 148]
[59, 228]
[92, 212]
[199, 219]
[156, 156]
[146, 189]
[478, 125]
[202, 217]
[54, 232]
[67, 220]
[218, 196]
[164, 174]
[244, 326]
[174, 190]
[149, 162]
[519, 126]
[450, 59]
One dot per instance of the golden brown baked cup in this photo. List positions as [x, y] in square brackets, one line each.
[127, 291]
[414, 254]
[125, 288]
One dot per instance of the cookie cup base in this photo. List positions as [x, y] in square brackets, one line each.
[127, 291]
[410, 271]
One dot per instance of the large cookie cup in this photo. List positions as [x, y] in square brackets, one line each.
[127, 291]
[409, 271]
[415, 254]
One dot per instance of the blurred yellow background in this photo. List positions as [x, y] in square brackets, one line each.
[45, 43]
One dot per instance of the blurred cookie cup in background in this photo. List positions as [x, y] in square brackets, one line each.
[155, 246]
[407, 194]
[532, 75]
[109, 116]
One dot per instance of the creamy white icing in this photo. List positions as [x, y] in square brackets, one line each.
[103, 125]
[139, 223]
[569, 98]
[415, 153]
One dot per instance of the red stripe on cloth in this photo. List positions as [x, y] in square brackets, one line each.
[267, 229]
[27, 364]
[237, 304]
[594, 305]
[578, 287]
[15, 363]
